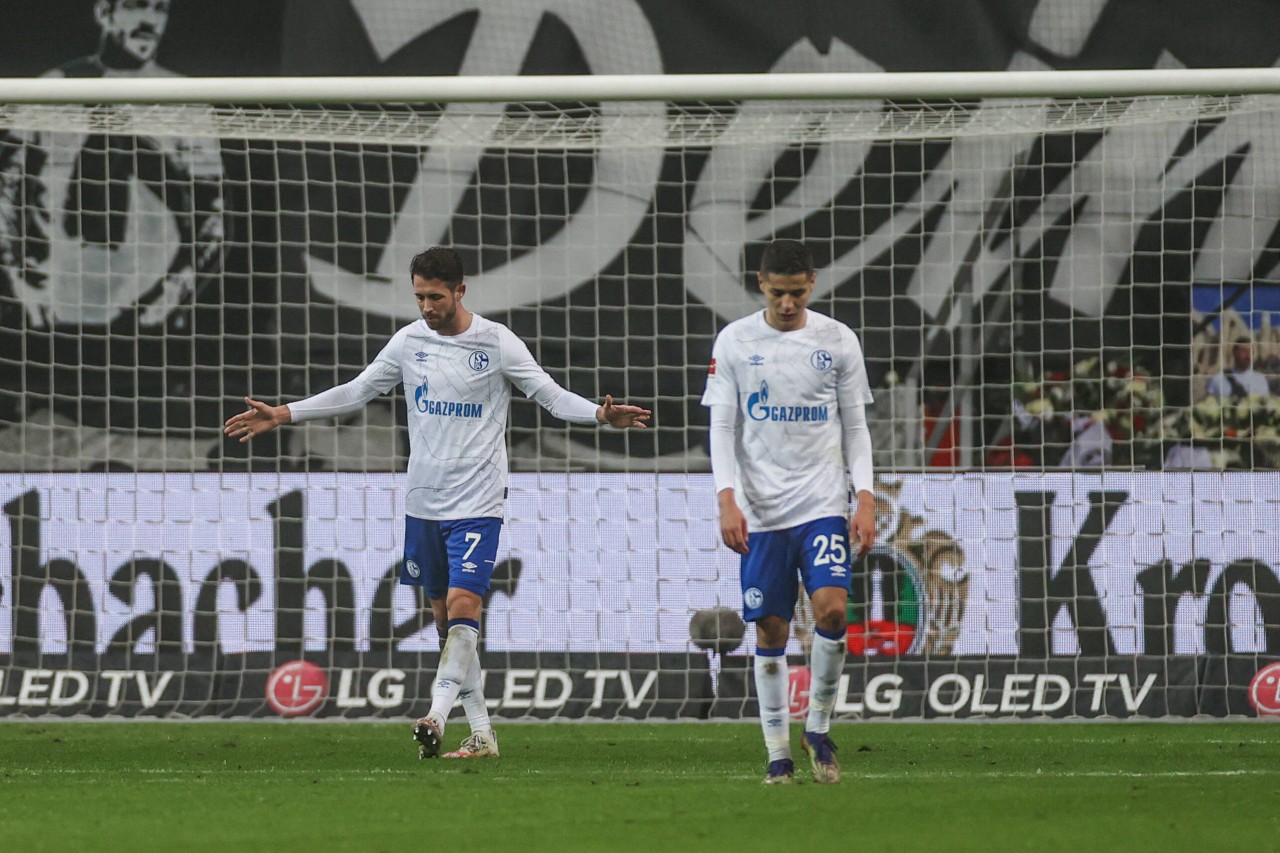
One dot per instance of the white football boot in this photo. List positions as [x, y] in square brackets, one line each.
[477, 745]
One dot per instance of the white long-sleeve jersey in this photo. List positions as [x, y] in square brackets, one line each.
[795, 402]
[457, 391]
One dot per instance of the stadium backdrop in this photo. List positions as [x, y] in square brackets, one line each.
[1122, 648]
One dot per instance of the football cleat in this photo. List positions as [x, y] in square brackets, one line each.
[426, 731]
[780, 772]
[477, 745]
[822, 755]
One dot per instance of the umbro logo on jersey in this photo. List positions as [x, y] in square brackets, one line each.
[422, 356]
[756, 360]
[469, 566]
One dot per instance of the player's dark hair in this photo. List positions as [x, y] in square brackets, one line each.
[440, 263]
[114, 5]
[786, 257]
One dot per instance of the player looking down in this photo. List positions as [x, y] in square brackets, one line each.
[457, 369]
[787, 390]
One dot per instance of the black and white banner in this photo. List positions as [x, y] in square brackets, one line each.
[1027, 565]
[522, 685]
[637, 686]
[109, 296]
[221, 578]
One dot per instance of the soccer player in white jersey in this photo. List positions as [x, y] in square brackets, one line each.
[787, 390]
[457, 369]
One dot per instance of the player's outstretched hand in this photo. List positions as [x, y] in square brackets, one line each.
[620, 416]
[258, 419]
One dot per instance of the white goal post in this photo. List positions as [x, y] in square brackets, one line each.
[923, 86]
[1052, 273]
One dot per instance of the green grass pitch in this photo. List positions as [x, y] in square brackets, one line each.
[633, 786]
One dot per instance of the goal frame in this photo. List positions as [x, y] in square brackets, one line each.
[1226, 84]
[639, 87]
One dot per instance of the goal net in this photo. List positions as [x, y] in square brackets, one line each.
[1068, 307]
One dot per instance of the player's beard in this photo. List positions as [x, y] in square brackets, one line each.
[142, 44]
[442, 320]
[120, 53]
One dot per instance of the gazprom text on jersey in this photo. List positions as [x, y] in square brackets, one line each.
[451, 410]
[787, 413]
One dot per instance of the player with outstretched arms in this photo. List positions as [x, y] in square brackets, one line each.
[457, 369]
[787, 390]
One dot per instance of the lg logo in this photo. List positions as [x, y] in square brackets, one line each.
[1264, 691]
[297, 688]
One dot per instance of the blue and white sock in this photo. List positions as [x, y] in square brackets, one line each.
[826, 663]
[772, 682]
[455, 663]
[472, 696]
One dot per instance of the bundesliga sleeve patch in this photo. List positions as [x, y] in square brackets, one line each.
[711, 371]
